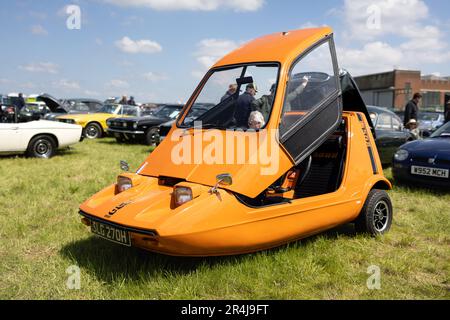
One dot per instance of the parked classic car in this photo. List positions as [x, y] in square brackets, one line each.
[429, 122]
[389, 132]
[143, 128]
[228, 187]
[70, 106]
[163, 129]
[94, 124]
[38, 139]
[425, 162]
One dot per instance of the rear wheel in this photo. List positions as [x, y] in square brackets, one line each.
[42, 147]
[376, 216]
[93, 131]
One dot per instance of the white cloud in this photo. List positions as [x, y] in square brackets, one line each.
[39, 30]
[155, 77]
[42, 67]
[117, 83]
[192, 5]
[139, 46]
[384, 34]
[66, 84]
[211, 50]
[373, 57]
[368, 19]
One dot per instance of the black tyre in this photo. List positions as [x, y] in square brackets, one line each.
[93, 131]
[42, 147]
[152, 137]
[376, 215]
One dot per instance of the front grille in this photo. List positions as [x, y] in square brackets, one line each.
[66, 121]
[425, 160]
[121, 125]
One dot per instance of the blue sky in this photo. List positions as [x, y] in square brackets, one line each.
[157, 50]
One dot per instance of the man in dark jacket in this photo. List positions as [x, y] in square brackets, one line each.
[244, 105]
[131, 102]
[20, 102]
[412, 109]
[447, 112]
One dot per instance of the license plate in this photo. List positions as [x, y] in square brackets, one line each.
[430, 172]
[110, 233]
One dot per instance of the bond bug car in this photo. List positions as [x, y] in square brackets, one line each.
[287, 152]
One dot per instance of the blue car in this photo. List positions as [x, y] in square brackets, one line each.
[425, 162]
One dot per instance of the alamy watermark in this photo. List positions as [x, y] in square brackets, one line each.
[374, 280]
[227, 147]
[73, 21]
[74, 279]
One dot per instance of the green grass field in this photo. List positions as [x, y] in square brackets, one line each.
[41, 236]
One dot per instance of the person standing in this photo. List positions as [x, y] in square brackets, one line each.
[244, 105]
[447, 112]
[131, 102]
[20, 102]
[124, 100]
[264, 104]
[412, 110]
[231, 90]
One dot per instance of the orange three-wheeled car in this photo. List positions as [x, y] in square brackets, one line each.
[284, 149]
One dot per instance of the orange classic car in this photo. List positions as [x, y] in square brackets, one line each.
[284, 150]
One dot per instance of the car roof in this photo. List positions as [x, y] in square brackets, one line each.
[83, 99]
[277, 47]
[376, 109]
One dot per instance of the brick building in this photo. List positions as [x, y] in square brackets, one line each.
[396, 88]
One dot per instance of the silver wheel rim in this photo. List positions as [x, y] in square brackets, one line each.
[91, 132]
[43, 148]
[381, 216]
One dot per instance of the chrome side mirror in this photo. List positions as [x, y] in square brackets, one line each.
[124, 166]
[222, 180]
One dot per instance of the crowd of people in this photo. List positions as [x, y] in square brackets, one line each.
[254, 113]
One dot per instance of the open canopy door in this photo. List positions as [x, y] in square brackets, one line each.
[312, 108]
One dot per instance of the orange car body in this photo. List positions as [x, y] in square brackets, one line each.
[218, 223]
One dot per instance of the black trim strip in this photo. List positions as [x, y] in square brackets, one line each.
[372, 159]
[152, 233]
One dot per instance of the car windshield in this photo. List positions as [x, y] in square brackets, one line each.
[429, 116]
[238, 97]
[168, 112]
[442, 132]
[108, 108]
[133, 111]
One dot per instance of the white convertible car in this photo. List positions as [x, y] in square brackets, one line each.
[38, 139]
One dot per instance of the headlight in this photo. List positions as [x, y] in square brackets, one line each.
[108, 123]
[182, 195]
[135, 125]
[401, 155]
[123, 184]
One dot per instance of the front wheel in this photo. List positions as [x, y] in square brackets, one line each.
[93, 131]
[376, 216]
[42, 147]
[152, 137]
